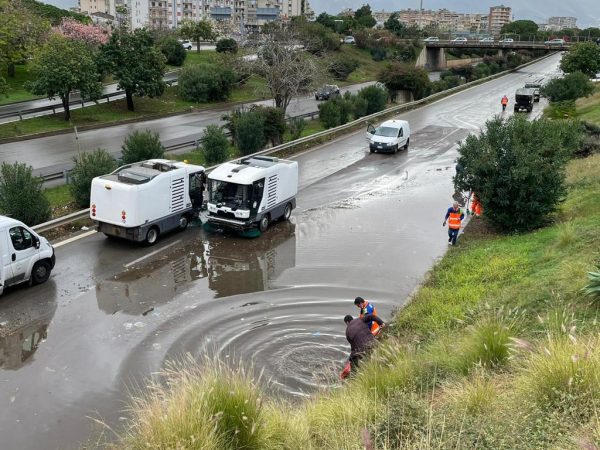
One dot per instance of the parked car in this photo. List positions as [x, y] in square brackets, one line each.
[186, 44]
[326, 92]
[389, 136]
[431, 39]
[349, 40]
[25, 256]
[555, 42]
[487, 39]
[460, 40]
[536, 86]
[506, 41]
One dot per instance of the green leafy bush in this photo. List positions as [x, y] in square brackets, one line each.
[21, 194]
[88, 166]
[341, 68]
[517, 169]
[214, 145]
[399, 77]
[142, 145]
[274, 124]
[582, 57]
[376, 98]
[206, 82]
[173, 51]
[296, 127]
[571, 87]
[334, 112]
[249, 132]
[378, 53]
[227, 45]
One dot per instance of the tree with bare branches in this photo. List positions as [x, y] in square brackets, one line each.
[288, 71]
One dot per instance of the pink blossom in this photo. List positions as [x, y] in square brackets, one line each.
[89, 34]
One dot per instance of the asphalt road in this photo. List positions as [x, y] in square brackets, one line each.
[55, 153]
[113, 313]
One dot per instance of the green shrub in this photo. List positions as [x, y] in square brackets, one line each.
[249, 132]
[376, 98]
[593, 287]
[88, 166]
[582, 57]
[274, 124]
[399, 77]
[296, 126]
[360, 105]
[214, 145]
[173, 51]
[517, 169]
[21, 194]
[227, 45]
[335, 112]
[206, 82]
[341, 68]
[378, 53]
[142, 145]
[571, 87]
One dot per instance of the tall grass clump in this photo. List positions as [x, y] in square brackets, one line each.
[564, 375]
[566, 234]
[209, 407]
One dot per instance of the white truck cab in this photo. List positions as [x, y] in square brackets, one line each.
[24, 255]
[252, 192]
[389, 136]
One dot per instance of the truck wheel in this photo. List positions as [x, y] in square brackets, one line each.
[152, 236]
[287, 212]
[264, 223]
[406, 145]
[371, 150]
[183, 222]
[40, 272]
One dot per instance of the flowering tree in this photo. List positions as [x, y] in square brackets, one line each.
[88, 34]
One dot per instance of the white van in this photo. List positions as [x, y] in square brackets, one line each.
[24, 255]
[389, 136]
[143, 200]
[252, 192]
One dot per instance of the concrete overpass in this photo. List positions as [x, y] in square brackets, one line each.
[433, 56]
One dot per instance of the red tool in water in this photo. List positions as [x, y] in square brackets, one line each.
[346, 371]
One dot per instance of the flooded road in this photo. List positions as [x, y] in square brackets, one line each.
[114, 313]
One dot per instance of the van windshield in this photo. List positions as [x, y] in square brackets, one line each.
[386, 132]
[232, 195]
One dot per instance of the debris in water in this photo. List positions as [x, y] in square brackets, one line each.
[128, 325]
[84, 228]
[156, 346]
[317, 333]
[139, 325]
[146, 312]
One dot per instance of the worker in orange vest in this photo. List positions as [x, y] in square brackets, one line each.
[367, 308]
[504, 102]
[454, 217]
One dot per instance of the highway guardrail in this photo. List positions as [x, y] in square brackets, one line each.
[331, 132]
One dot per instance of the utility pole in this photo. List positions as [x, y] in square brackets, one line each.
[421, 15]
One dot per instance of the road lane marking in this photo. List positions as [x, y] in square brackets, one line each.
[152, 253]
[74, 238]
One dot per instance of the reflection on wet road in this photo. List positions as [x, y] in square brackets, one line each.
[114, 312]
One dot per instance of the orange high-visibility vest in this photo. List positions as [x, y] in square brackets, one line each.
[370, 309]
[454, 219]
[504, 100]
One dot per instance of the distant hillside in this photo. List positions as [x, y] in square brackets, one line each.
[52, 13]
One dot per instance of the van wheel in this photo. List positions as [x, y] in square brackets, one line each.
[264, 223]
[152, 236]
[396, 148]
[287, 212]
[183, 222]
[406, 145]
[40, 272]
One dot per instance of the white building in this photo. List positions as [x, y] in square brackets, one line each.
[561, 23]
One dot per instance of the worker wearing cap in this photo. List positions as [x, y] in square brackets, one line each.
[454, 217]
[367, 308]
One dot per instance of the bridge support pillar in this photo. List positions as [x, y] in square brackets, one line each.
[500, 53]
[432, 58]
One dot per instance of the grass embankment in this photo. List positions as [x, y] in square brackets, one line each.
[17, 91]
[498, 349]
[588, 109]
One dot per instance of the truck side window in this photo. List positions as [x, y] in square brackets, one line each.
[400, 133]
[21, 238]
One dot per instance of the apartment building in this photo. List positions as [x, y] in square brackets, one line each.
[561, 23]
[498, 17]
[445, 20]
[97, 6]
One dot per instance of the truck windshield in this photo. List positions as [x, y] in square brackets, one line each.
[231, 194]
[386, 132]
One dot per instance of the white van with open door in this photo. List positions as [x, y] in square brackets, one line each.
[24, 255]
[389, 136]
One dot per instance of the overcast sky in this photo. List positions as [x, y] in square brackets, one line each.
[586, 11]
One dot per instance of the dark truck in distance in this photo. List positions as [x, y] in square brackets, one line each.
[536, 86]
[326, 92]
[524, 100]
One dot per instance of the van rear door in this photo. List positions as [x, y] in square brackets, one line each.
[5, 263]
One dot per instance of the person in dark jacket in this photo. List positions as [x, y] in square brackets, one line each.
[358, 334]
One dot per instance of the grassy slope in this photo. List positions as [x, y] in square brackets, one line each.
[588, 109]
[17, 91]
[498, 349]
